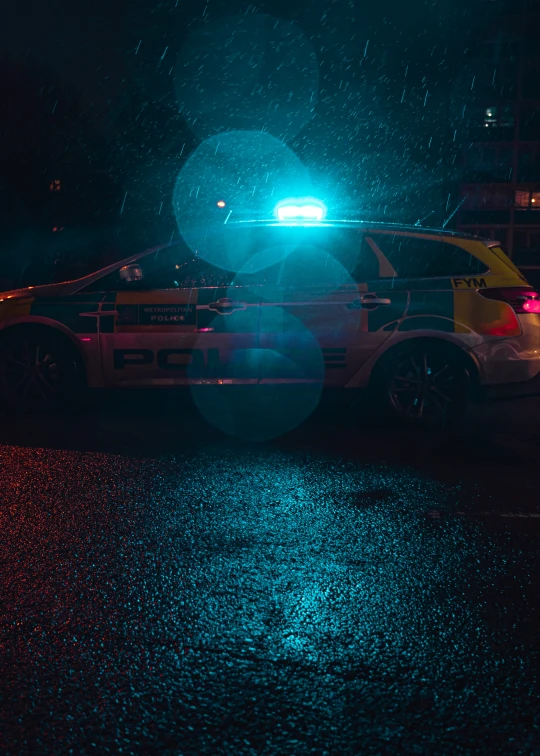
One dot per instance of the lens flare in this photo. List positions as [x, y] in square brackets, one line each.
[250, 72]
[251, 169]
[278, 377]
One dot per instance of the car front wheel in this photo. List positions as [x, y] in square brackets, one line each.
[39, 370]
[426, 385]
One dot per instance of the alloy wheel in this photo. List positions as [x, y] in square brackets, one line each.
[427, 387]
[31, 373]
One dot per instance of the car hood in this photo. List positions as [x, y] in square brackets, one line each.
[48, 290]
[66, 288]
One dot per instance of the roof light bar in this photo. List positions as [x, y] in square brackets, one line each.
[307, 209]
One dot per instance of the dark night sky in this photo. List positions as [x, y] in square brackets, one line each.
[94, 48]
[380, 126]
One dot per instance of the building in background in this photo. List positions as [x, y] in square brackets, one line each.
[500, 160]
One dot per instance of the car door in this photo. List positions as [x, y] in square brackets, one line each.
[80, 314]
[440, 276]
[333, 304]
[176, 321]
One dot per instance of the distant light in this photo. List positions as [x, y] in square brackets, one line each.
[221, 203]
[86, 338]
[533, 200]
[307, 209]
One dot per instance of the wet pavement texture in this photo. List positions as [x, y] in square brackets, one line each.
[349, 588]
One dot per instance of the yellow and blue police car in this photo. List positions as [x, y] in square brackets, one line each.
[422, 316]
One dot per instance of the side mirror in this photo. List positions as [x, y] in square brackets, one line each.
[131, 273]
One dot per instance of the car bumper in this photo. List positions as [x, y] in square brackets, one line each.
[510, 362]
[511, 390]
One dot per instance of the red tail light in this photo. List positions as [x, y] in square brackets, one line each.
[522, 299]
[531, 305]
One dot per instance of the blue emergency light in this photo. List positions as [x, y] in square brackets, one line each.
[303, 210]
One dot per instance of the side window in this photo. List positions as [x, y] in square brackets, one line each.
[335, 257]
[370, 263]
[417, 257]
[194, 272]
[110, 282]
[165, 269]
[305, 256]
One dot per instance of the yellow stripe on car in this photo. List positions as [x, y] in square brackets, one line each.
[15, 308]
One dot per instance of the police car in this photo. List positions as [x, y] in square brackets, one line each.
[422, 317]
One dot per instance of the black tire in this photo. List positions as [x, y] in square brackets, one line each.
[40, 370]
[425, 384]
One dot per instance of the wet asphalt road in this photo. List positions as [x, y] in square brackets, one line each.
[348, 588]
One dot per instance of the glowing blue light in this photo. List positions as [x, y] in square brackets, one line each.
[307, 209]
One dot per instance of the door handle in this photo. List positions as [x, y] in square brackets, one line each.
[226, 306]
[368, 302]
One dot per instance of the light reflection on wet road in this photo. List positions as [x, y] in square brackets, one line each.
[187, 594]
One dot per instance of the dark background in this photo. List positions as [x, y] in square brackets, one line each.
[346, 588]
[88, 101]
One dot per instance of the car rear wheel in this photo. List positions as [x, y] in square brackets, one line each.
[426, 385]
[39, 370]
